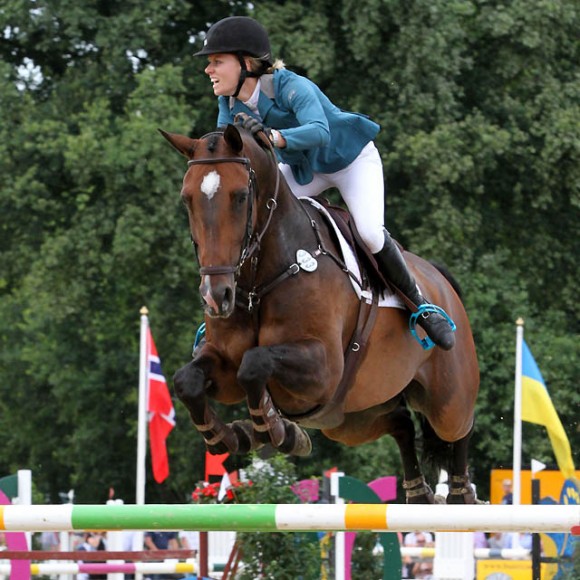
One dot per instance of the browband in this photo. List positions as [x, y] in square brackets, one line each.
[243, 160]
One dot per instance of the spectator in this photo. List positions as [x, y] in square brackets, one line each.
[423, 568]
[161, 541]
[480, 540]
[189, 541]
[495, 541]
[517, 540]
[419, 539]
[508, 497]
[92, 542]
[50, 541]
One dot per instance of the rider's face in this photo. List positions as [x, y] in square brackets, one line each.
[223, 71]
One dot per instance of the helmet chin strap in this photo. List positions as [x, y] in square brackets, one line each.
[244, 74]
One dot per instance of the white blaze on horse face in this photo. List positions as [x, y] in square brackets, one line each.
[210, 184]
[206, 293]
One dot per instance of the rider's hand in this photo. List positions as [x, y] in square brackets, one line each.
[251, 124]
[255, 126]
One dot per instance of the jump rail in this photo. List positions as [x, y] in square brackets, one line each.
[291, 517]
[46, 569]
[479, 553]
[98, 555]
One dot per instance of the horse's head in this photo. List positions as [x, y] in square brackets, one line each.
[226, 172]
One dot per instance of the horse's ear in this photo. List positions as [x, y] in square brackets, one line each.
[185, 145]
[233, 138]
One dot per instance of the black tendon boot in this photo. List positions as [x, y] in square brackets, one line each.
[393, 267]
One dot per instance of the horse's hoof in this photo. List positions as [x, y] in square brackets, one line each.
[461, 495]
[418, 491]
[424, 497]
[461, 499]
[438, 499]
[461, 491]
[296, 442]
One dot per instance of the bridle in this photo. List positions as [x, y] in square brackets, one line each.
[250, 298]
[251, 244]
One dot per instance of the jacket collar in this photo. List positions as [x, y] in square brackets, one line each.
[265, 100]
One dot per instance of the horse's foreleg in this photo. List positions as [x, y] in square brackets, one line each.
[190, 386]
[402, 429]
[296, 366]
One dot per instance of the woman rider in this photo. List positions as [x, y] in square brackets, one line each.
[318, 145]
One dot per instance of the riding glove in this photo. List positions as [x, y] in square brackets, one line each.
[253, 125]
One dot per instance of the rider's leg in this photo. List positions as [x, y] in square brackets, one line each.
[362, 187]
[393, 266]
[319, 183]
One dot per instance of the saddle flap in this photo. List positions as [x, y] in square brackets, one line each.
[364, 257]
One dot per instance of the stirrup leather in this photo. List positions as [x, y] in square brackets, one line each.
[424, 310]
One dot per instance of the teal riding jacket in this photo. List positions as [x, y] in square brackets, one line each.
[320, 137]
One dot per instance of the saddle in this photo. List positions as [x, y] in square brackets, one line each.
[366, 261]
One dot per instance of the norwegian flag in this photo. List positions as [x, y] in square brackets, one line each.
[160, 412]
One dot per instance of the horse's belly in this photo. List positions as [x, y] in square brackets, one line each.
[391, 362]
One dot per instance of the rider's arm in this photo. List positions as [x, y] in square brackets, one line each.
[300, 97]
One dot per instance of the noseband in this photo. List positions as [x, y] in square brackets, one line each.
[251, 242]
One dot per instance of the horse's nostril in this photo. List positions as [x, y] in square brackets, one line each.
[228, 297]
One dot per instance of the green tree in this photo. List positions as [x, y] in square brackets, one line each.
[281, 555]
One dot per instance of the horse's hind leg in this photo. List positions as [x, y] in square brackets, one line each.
[402, 429]
[460, 488]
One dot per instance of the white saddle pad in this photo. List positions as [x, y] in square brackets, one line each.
[387, 299]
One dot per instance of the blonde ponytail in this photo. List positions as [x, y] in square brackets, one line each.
[261, 66]
[278, 65]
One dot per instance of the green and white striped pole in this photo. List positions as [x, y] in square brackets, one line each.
[292, 517]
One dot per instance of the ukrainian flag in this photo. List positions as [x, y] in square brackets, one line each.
[537, 407]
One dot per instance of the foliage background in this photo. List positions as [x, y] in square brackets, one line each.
[278, 555]
[479, 106]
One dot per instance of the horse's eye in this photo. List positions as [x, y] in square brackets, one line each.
[240, 197]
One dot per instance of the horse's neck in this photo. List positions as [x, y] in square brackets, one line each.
[290, 223]
[288, 231]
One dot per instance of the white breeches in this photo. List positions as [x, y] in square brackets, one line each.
[362, 188]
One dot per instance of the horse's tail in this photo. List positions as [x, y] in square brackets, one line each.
[450, 278]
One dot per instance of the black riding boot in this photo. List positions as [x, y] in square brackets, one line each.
[394, 268]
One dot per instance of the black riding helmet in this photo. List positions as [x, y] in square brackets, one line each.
[242, 36]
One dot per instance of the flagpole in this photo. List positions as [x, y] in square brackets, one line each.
[517, 461]
[142, 410]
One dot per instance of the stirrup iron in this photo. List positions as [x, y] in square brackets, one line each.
[199, 338]
[423, 310]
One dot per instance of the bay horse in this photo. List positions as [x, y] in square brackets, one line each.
[279, 329]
